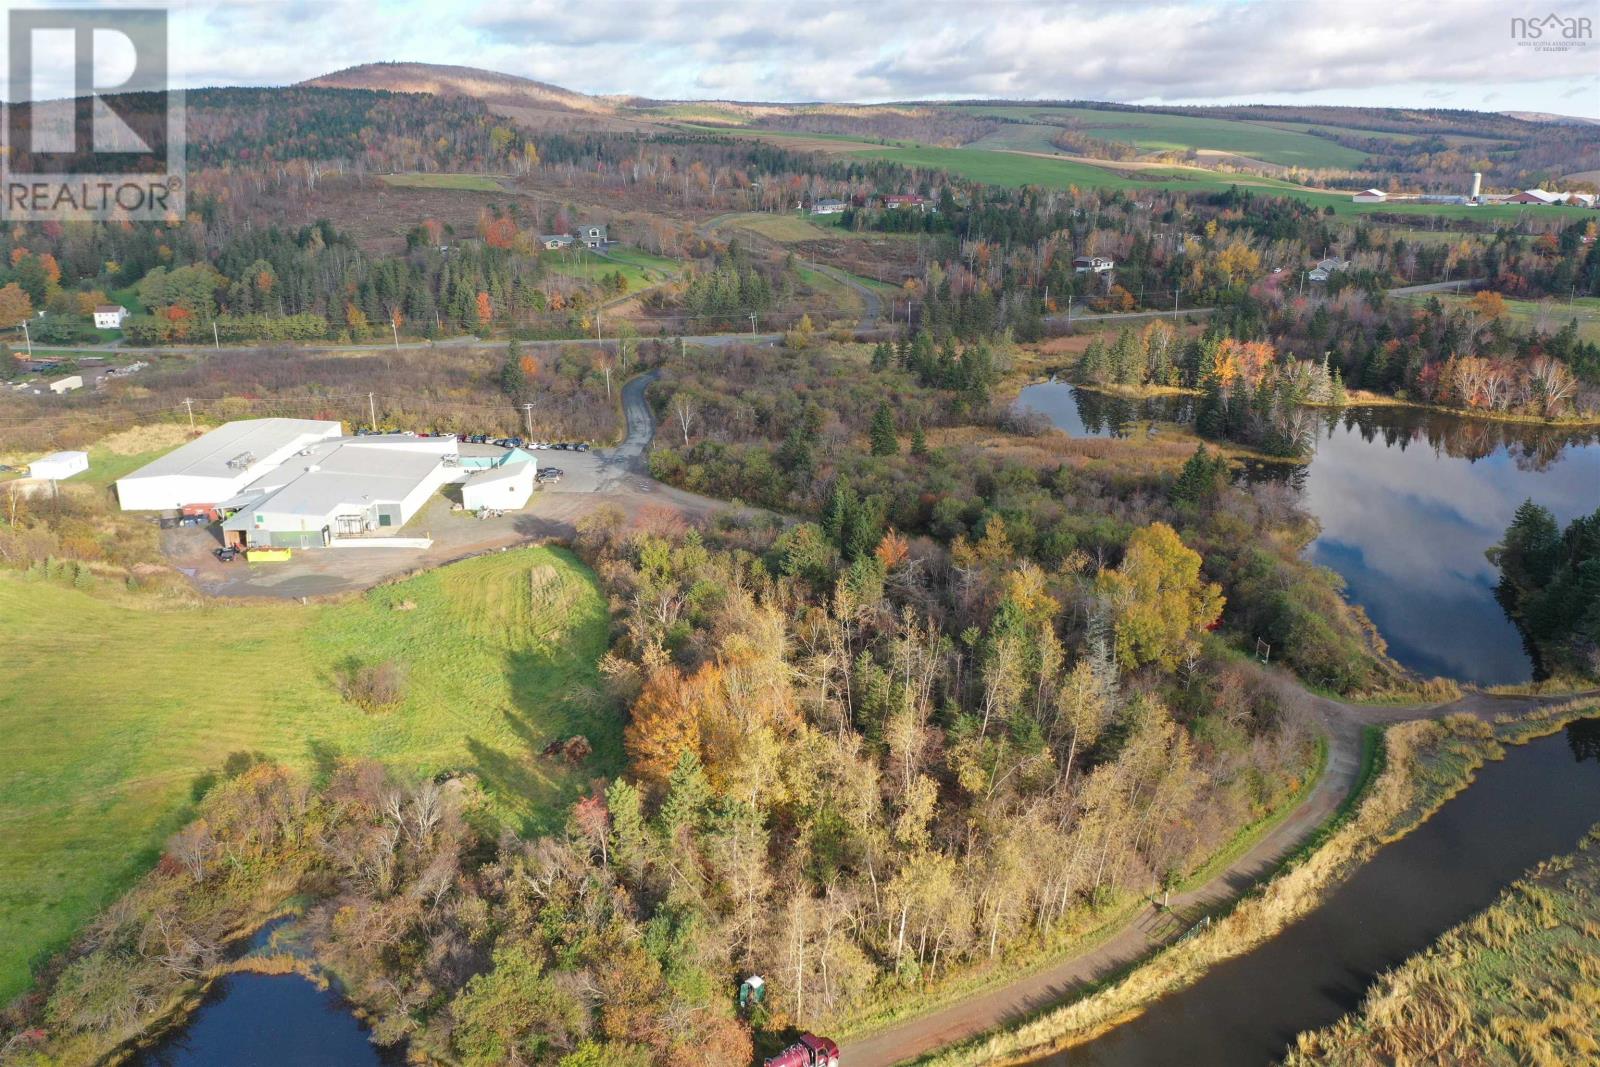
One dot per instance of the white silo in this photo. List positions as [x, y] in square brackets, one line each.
[1477, 187]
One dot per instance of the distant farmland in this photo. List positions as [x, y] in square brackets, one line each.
[1152, 132]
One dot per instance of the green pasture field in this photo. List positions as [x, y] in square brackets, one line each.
[116, 705]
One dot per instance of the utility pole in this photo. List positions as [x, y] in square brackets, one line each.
[396, 328]
[752, 324]
[372, 412]
[29, 336]
[1175, 293]
[190, 405]
[216, 338]
[597, 324]
[527, 416]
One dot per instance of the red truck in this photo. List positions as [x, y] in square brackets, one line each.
[809, 1051]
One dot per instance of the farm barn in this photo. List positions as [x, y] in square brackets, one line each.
[220, 463]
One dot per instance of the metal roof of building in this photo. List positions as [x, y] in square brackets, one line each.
[345, 472]
[210, 455]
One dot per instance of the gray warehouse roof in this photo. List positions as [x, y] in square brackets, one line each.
[209, 456]
[345, 471]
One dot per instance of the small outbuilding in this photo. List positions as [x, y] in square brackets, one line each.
[1370, 196]
[67, 384]
[59, 465]
[506, 487]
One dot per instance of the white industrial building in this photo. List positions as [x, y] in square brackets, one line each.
[59, 465]
[345, 487]
[217, 465]
[298, 483]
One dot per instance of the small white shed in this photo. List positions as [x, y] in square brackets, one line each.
[67, 384]
[507, 487]
[58, 465]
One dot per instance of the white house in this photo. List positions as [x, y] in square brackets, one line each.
[1326, 267]
[593, 236]
[1370, 196]
[58, 465]
[1092, 264]
[217, 465]
[507, 486]
[827, 206]
[109, 316]
[67, 384]
[555, 241]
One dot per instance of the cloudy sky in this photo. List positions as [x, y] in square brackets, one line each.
[1417, 53]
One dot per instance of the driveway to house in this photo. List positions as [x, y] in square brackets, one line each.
[1014, 1002]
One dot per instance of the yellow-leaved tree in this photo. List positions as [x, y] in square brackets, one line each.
[1158, 598]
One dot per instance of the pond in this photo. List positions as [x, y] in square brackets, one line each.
[252, 1019]
[1408, 502]
[1088, 413]
[1536, 803]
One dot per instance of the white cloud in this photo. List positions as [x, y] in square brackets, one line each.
[1356, 51]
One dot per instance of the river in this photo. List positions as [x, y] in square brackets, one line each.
[1408, 501]
[1538, 802]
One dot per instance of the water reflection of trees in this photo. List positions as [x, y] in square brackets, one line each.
[1583, 737]
[1110, 414]
[1531, 447]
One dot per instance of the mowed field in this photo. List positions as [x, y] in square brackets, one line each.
[1013, 168]
[480, 183]
[116, 705]
[1151, 132]
[640, 268]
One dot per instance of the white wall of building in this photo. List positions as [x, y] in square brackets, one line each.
[59, 465]
[509, 490]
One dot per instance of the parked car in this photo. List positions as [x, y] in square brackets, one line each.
[225, 554]
[581, 446]
[513, 442]
[192, 520]
[550, 474]
[502, 442]
[560, 446]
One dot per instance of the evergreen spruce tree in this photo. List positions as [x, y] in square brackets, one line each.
[919, 442]
[884, 441]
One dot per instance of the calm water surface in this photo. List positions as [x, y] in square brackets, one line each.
[1536, 803]
[270, 1020]
[1408, 502]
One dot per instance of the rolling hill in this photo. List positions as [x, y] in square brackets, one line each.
[489, 86]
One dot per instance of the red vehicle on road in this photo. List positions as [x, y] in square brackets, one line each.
[809, 1051]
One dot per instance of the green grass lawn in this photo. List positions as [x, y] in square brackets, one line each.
[114, 705]
[640, 268]
[478, 183]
